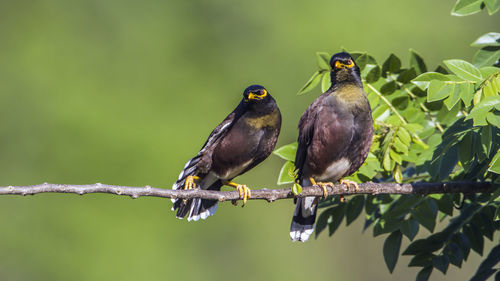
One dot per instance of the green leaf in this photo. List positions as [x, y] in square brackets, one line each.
[475, 238]
[362, 61]
[464, 70]
[444, 159]
[454, 254]
[425, 214]
[486, 56]
[397, 175]
[486, 140]
[387, 163]
[486, 269]
[441, 69]
[287, 152]
[354, 208]
[427, 245]
[478, 113]
[421, 260]
[286, 173]
[395, 156]
[463, 243]
[488, 39]
[492, 6]
[311, 83]
[391, 65]
[392, 245]
[388, 88]
[385, 226]
[424, 274]
[489, 88]
[374, 74]
[402, 206]
[441, 263]
[445, 204]
[407, 75]
[423, 80]
[489, 70]
[296, 189]
[466, 7]
[323, 220]
[400, 146]
[494, 165]
[323, 60]
[325, 82]
[404, 136]
[452, 100]
[466, 93]
[337, 215]
[409, 228]
[417, 62]
[439, 90]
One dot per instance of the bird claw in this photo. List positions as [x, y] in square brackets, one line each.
[245, 193]
[323, 185]
[190, 182]
[348, 183]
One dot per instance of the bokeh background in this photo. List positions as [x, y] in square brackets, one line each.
[124, 92]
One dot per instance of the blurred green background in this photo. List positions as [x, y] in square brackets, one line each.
[125, 92]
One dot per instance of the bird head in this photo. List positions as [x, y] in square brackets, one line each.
[344, 69]
[255, 94]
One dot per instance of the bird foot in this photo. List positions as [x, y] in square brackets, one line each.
[323, 185]
[244, 191]
[190, 182]
[348, 183]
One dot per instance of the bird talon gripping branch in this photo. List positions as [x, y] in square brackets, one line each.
[323, 185]
[348, 183]
[190, 182]
[244, 191]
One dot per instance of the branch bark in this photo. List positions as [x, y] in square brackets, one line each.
[265, 194]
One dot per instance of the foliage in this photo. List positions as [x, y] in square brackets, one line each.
[440, 125]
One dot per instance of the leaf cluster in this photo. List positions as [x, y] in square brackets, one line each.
[438, 125]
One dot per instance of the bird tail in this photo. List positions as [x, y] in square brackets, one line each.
[303, 218]
[194, 208]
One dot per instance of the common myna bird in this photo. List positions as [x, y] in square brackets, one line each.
[244, 139]
[335, 134]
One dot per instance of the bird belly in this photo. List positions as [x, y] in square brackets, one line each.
[234, 171]
[335, 170]
[208, 180]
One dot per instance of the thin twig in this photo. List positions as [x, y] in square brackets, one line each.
[265, 194]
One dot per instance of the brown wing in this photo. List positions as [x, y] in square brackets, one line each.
[202, 162]
[306, 132]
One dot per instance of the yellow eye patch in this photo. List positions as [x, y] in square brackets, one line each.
[338, 64]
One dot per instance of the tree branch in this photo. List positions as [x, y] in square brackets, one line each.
[266, 194]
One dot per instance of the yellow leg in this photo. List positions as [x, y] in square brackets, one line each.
[244, 191]
[348, 183]
[190, 182]
[323, 185]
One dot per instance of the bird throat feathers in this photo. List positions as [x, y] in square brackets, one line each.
[271, 119]
[351, 95]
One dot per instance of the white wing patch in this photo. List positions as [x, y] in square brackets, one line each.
[335, 171]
